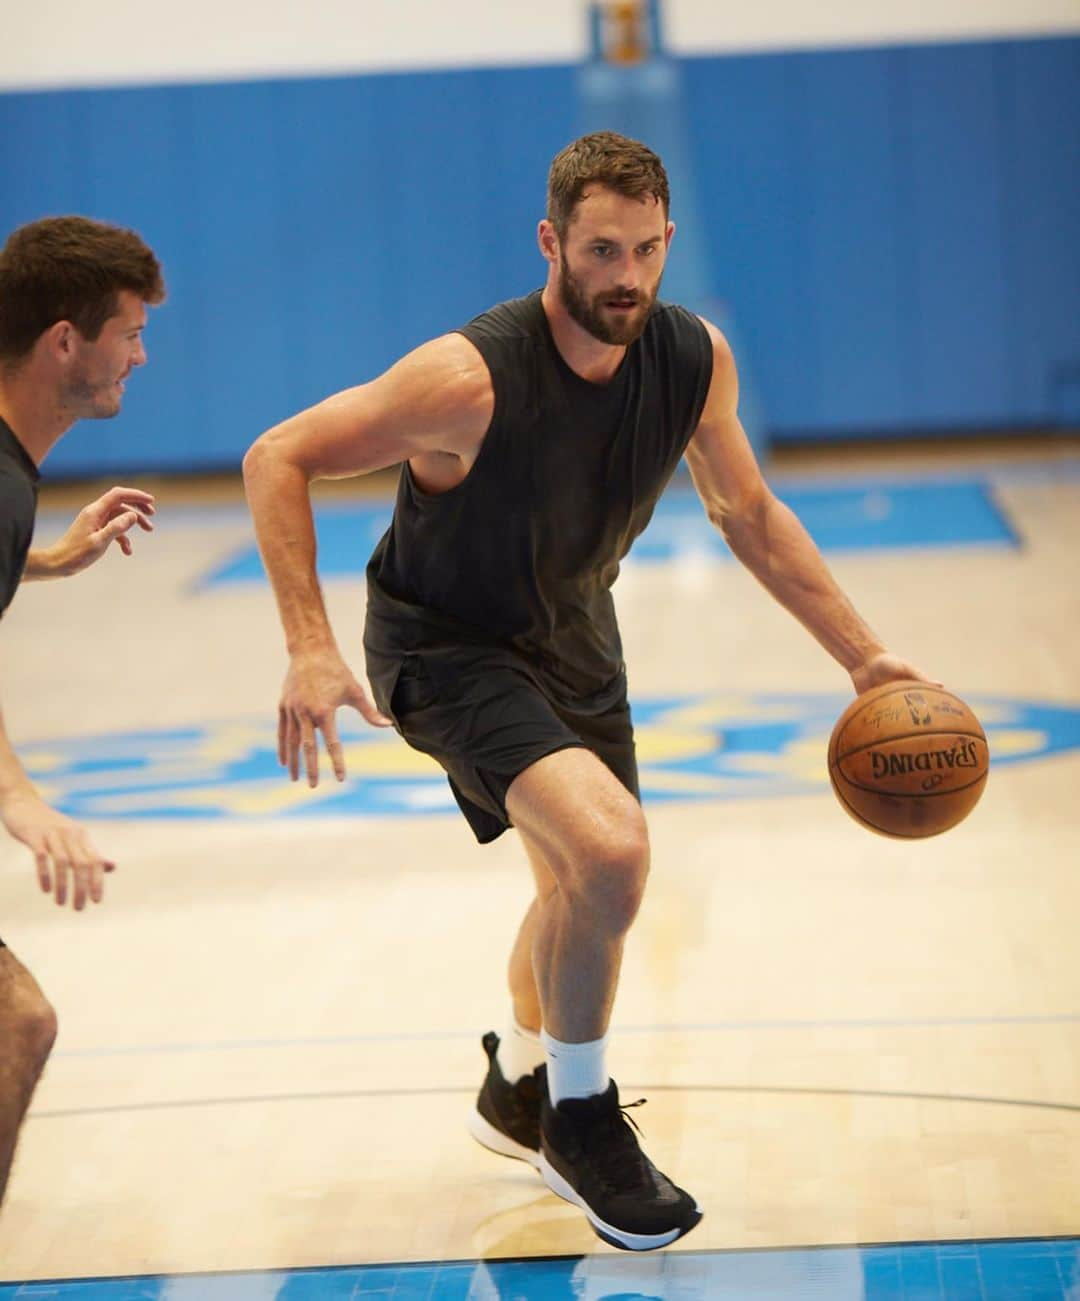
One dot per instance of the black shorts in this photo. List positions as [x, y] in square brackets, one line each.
[489, 720]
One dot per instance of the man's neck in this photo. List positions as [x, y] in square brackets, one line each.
[33, 413]
[585, 354]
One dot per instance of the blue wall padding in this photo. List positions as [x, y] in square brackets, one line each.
[896, 232]
[899, 230]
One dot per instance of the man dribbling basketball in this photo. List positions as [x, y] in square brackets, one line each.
[537, 440]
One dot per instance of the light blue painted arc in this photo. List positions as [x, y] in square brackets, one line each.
[1035, 1269]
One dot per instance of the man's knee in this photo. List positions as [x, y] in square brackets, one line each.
[611, 870]
[39, 1027]
[27, 1018]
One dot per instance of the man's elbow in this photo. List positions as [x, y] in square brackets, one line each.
[742, 519]
[266, 453]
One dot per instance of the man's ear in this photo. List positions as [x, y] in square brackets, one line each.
[548, 241]
[60, 340]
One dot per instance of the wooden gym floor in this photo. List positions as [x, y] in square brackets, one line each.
[270, 1030]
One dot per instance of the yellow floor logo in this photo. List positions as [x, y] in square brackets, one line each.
[709, 747]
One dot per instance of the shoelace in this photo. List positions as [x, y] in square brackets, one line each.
[622, 1167]
[624, 1107]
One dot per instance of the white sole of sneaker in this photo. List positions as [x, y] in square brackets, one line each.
[610, 1234]
[495, 1140]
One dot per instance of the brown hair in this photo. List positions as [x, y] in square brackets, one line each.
[69, 269]
[604, 158]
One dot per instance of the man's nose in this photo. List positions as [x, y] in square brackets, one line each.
[629, 274]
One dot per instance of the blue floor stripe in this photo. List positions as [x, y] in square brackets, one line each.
[840, 517]
[1014, 1270]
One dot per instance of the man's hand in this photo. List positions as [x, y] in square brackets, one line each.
[884, 668]
[60, 847]
[316, 684]
[107, 520]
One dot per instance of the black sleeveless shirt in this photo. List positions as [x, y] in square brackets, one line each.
[520, 556]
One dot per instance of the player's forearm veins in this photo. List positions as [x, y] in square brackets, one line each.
[774, 545]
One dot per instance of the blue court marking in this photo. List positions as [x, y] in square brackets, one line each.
[1029, 1269]
[840, 517]
[690, 748]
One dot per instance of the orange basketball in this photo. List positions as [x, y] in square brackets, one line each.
[907, 759]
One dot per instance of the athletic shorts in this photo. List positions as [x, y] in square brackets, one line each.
[490, 721]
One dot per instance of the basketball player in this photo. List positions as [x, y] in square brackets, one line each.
[536, 441]
[72, 312]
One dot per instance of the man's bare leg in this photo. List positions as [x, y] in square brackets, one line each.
[588, 832]
[523, 990]
[27, 1033]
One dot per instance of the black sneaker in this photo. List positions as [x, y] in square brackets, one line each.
[506, 1118]
[590, 1156]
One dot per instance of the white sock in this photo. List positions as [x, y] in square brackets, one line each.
[520, 1051]
[575, 1070]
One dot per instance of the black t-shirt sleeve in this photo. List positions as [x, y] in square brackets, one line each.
[16, 531]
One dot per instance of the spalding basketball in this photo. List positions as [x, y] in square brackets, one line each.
[908, 759]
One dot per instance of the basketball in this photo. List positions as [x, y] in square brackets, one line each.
[908, 759]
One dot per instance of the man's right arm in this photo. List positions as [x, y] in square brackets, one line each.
[438, 402]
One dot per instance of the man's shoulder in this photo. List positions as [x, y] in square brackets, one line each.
[514, 318]
[667, 315]
[675, 331]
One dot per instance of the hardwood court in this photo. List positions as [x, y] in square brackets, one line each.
[270, 1030]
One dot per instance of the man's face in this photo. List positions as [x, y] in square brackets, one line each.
[610, 263]
[95, 380]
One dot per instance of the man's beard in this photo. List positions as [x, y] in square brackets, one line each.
[93, 401]
[588, 313]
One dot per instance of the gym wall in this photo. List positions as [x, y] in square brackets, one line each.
[892, 203]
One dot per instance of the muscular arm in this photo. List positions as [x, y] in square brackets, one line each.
[435, 403]
[433, 408]
[768, 538]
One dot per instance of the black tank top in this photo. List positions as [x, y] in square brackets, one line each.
[521, 555]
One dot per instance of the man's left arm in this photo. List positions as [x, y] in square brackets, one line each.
[769, 539]
[108, 519]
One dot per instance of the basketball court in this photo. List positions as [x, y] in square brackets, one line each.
[861, 1055]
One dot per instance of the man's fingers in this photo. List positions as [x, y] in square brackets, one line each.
[311, 751]
[96, 883]
[333, 747]
[44, 876]
[120, 524]
[292, 745]
[60, 881]
[359, 700]
[120, 496]
[282, 734]
[79, 873]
